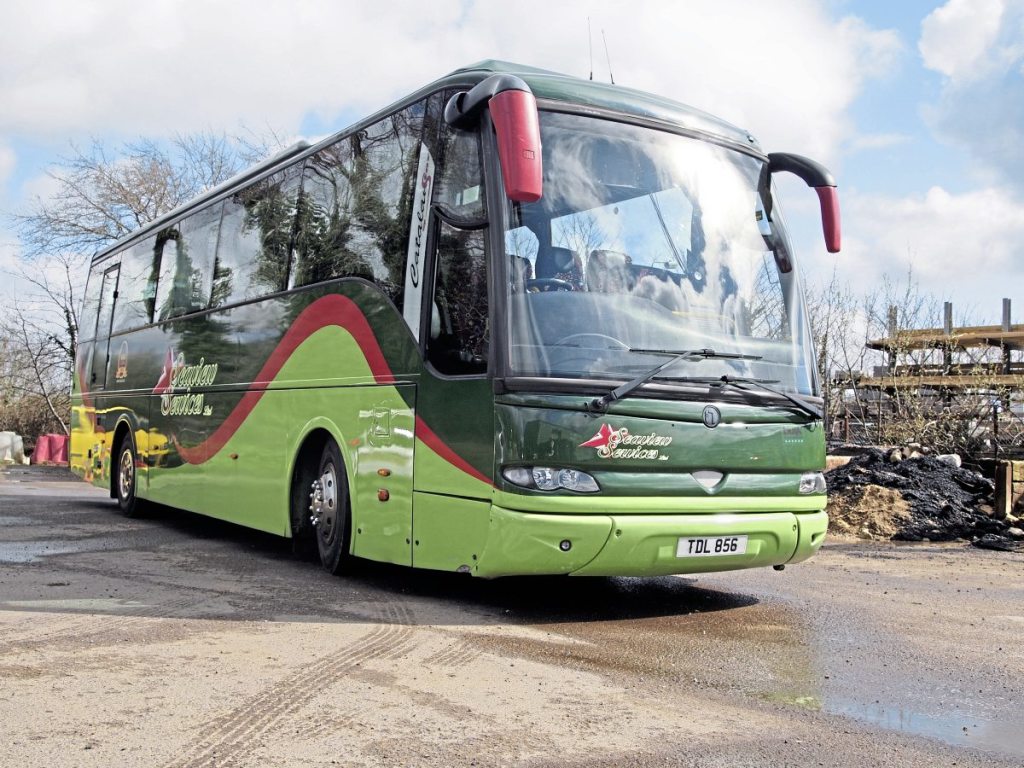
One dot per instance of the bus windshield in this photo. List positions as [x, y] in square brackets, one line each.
[647, 241]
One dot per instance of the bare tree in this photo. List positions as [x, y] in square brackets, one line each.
[100, 195]
[890, 396]
[103, 195]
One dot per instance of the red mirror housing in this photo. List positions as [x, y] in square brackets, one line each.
[517, 126]
[831, 225]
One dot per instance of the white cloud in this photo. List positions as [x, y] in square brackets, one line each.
[787, 72]
[871, 141]
[8, 159]
[957, 244]
[957, 38]
[978, 45]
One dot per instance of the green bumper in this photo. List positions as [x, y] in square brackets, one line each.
[521, 543]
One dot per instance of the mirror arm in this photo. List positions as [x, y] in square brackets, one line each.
[464, 108]
[813, 173]
[816, 175]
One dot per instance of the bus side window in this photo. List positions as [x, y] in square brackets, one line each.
[324, 247]
[385, 157]
[186, 261]
[460, 190]
[255, 247]
[459, 331]
[91, 304]
[135, 289]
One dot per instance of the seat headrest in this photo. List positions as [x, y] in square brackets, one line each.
[610, 258]
[555, 260]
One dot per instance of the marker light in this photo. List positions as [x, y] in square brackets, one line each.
[551, 479]
[812, 482]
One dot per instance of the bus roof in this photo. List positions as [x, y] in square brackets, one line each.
[617, 98]
[545, 84]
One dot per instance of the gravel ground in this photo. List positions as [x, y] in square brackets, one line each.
[180, 641]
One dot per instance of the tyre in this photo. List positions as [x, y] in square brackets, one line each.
[126, 477]
[330, 511]
[300, 505]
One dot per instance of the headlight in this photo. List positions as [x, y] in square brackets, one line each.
[551, 479]
[812, 482]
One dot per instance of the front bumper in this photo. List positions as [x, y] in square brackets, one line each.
[631, 544]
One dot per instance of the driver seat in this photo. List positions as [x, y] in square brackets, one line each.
[561, 264]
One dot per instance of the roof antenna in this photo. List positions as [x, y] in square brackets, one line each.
[608, 58]
[590, 43]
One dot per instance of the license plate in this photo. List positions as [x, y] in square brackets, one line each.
[711, 546]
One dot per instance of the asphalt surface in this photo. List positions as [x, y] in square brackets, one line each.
[175, 640]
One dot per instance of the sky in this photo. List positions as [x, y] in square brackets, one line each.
[917, 106]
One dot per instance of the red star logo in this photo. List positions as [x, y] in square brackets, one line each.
[602, 439]
[163, 385]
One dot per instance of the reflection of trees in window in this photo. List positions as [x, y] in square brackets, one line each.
[91, 305]
[355, 209]
[133, 307]
[179, 283]
[323, 244]
[460, 189]
[184, 258]
[383, 171]
[166, 239]
[765, 310]
[270, 213]
[458, 341]
[581, 233]
[222, 283]
[256, 237]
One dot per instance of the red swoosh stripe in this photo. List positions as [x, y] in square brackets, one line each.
[326, 311]
[438, 446]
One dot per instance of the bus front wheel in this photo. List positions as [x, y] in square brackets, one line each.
[126, 479]
[329, 510]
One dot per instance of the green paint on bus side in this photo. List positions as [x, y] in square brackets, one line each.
[442, 513]
[449, 532]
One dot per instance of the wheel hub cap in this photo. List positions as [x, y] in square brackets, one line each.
[126, 474]
[323, 507]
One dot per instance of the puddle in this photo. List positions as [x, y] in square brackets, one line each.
[32, 551]
[960, 728]
[16, 520]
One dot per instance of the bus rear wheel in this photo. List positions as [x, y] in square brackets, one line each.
[329, 510]
[126, 478]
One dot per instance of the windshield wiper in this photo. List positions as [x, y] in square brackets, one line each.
[738, 381]
[600, 404]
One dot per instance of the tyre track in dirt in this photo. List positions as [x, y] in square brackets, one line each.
[233, 736]
[459, 654]
[80, 631]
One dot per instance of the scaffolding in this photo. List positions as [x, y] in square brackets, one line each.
[971, 379]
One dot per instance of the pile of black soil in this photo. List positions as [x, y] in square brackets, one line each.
[943, 502]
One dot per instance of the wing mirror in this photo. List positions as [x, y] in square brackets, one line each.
[814, 175]
[516, 125]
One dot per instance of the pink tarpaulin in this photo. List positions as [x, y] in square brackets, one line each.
[51, 449]
[58, 449]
